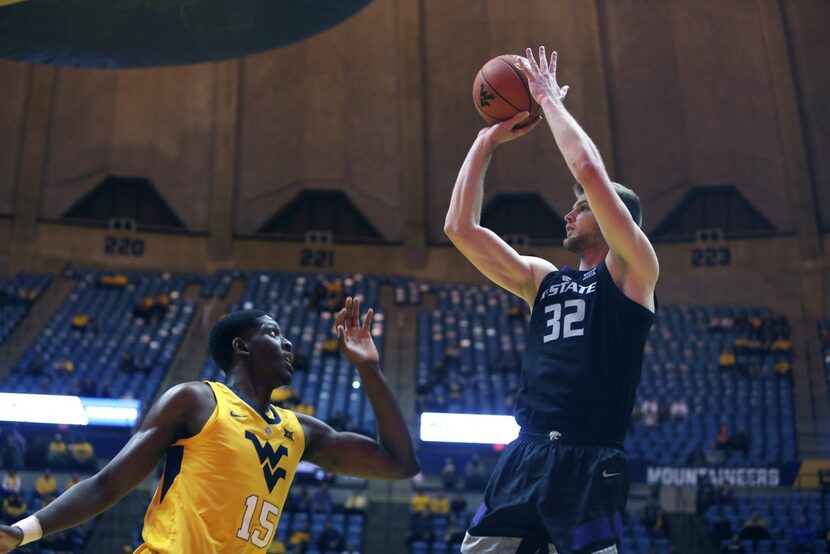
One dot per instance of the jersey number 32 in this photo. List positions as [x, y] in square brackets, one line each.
[574, 312]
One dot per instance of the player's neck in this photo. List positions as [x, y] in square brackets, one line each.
[259, 395]
[592, 258]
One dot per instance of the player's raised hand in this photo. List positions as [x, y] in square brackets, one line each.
[541, 76]
[355, 339]
[509, 129]
[10, 537]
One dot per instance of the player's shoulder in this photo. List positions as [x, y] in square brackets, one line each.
[189, 395]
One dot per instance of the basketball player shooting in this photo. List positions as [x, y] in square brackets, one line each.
[231, 455]
[562, 485]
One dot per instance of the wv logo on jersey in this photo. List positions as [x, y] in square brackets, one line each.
[484, 97]
[269, 459]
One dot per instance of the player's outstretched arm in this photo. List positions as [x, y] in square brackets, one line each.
[392, 456]
[493, 257]
[626, 241]
[167, 421]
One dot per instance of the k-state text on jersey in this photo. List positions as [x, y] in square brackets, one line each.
[570, 286]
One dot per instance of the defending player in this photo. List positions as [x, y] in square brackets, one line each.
[231, 455]
[563, 484]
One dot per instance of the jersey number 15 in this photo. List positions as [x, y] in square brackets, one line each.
[266, 520]
[574, 313]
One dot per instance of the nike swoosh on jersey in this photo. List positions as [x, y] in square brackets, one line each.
[237, 416]
[606, 474]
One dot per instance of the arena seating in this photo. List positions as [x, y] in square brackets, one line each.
[469, 347]
[781, 514]
[16, 297]
[824, 333]
[326, 380]
[682, 363]
[88, 358]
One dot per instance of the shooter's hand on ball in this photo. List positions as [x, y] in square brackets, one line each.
[541, 76]
[508, 130]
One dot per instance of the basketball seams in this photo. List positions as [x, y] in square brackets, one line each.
[492, 88]
[521, 78]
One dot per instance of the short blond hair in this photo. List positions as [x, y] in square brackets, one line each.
[628, 197]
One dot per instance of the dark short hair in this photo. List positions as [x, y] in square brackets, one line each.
[628, 197]
[228, 328]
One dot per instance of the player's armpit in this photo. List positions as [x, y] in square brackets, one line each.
[351, 454]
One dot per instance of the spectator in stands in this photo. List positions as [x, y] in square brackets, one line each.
[439, 504]
[654, 518]
[649, 412]
[57, 453]
[706, 495]
[474, 474]
[317, 296]
[458, 505]
[679, 409]
[419, 502]
[330, 539]
[64, 367]
[726, 496]
[73, 480]
[80, 321]
[801, 536]
[452, 353]
[356, 502]
[83, 453]
[159, 307]
[11, 482]
[727, 360]
[46, 486]
[733, 547]
[276, 547]
[420, 527]
[321, 501]
[13, 508]
[14, 451]
[721, 530]
[783, 367]
[722, 440]
[143, 309]
[300, 538]
[755, 529]
[351, 549]
[449, 477]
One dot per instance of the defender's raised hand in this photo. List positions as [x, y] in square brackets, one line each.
[541, 76]
[355, 339]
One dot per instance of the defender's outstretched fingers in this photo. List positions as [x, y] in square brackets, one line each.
[367, 321]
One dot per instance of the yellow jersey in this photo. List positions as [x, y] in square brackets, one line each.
[223, 489]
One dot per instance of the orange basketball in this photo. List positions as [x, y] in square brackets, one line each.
[500, 90]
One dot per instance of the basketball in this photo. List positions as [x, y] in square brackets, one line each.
[500, 90]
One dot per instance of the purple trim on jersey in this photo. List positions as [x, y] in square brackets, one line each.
[597, 530]
[479, 514]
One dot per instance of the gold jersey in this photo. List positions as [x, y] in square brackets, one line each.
[223, 489]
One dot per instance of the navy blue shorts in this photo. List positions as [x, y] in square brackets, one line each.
[547, 493]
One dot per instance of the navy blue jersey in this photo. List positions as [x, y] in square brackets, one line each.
[583, 357]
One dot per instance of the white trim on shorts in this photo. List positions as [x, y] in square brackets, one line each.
[496, 545]
[509, 545]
